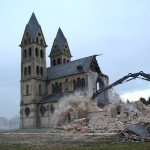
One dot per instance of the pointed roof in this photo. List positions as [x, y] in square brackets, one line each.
[33, 25]
[60, 38]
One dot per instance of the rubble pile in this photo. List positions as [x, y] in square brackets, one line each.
[100, 124]
[113, 118]
[78, 125]
[104, 124]
[143, 114]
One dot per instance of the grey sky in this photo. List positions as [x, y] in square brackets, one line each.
[119, 29]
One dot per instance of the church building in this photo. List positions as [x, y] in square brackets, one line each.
[42, 87]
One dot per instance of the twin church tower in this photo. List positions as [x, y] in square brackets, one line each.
[41, 87]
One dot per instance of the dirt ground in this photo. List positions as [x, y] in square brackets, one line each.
[55, 137]
[62, 140]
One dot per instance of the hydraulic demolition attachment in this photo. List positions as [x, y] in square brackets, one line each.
[127, 78]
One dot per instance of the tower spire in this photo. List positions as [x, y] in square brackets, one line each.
[60, 52]
[33, 25]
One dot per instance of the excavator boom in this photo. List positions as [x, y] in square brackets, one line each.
[130, 77]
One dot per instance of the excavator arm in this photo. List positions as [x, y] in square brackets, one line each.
[126, 78]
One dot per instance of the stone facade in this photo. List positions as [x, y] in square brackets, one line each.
[41, 87]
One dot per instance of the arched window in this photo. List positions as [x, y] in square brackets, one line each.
[29, 52]
[25, 53]
[83, 82]
[27, 89]
[79, 83]
[36, 52]
[56, 87]
[41, 71]
[37, 40]
[27, 111]
[54, 62]
[42, 110]
[41, 54]
[37, 70]
[29, 70]
[74, 84]
[40, 89]
[60, 87]
[58, 61]
[25, 71]
[64, 60]
[53, 88]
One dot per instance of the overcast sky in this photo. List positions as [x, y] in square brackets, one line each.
[118, 29]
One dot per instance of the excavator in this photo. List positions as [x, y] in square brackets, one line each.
[126, 78]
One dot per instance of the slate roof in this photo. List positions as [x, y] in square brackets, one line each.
[69, 68]
[60, 39]
[137, 129]
[33, 25]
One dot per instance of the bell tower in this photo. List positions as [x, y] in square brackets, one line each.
[33, 71]
[60, 52]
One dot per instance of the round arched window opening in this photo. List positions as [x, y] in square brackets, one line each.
[41, 54]
[58, 61]
[29, 70]
[42, 110]
[52, 109]
[37, 70]
[30, 52]
[39, 34]
[36, 52]
[74, 84]
[27, 111]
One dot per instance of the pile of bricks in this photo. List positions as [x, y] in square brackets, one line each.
[104, 124]
[78, 125]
